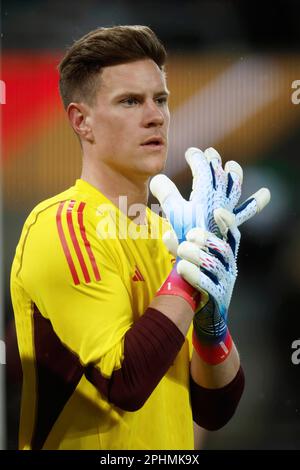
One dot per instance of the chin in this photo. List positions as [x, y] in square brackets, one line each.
[155, 165]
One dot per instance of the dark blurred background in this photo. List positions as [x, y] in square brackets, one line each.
[231, 70]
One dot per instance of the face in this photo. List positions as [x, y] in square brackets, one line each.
[129, 120]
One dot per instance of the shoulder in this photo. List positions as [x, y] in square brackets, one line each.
[61, 215]
[60, 235]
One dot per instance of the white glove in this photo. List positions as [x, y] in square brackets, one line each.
[213, 188]
[208, 263]
[209, 223]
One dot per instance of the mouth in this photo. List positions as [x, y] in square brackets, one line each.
[154, 143]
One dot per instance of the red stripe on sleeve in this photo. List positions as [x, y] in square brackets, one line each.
[75, 242]
[65, 245]
[86, 242]
[139, 274]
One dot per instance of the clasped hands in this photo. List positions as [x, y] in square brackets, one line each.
[205, 237]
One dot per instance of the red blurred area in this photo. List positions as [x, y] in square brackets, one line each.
[31, 90]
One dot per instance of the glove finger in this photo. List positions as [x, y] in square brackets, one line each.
[212, 244]
[198, 236]
[211, 264]
[234, 174]
[202, 177]
[252, 206]
[171, 241]
[233, 239]
[215, 162]
[164, 190]
[220, 249]
[226, 222]
[234, 167]
[212, 155]
[198, 279]
[172, 203]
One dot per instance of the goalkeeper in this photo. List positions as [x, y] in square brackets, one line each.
[120, 348]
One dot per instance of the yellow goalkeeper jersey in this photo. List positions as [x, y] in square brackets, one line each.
[83, 273]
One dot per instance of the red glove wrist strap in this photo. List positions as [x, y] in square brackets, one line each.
[213, 353]
[176, 285]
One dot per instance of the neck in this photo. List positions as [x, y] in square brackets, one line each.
[114, 184]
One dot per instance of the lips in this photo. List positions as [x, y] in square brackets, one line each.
[154, 140]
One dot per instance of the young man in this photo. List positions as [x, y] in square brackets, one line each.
[106, 362]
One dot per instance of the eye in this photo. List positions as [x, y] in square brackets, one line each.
[130, 101]
[162, 100]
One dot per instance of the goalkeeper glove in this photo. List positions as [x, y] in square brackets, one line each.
[213, 188]
[209, 263]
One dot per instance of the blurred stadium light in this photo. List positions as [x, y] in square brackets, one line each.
[222, 105]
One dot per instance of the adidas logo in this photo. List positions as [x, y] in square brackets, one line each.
[137, 275]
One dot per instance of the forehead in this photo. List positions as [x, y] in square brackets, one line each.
[141, 76]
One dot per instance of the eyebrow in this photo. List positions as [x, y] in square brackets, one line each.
[140, 95]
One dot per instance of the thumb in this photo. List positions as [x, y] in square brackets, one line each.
[163, 189]
[224, 220]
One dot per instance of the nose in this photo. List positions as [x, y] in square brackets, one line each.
[153, 116]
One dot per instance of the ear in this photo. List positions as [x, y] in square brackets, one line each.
[79, 118]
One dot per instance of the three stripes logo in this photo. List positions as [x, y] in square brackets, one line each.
[73, 237]
[137, 275]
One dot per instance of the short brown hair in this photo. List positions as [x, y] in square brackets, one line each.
[81, 66]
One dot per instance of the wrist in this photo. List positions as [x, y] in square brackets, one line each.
[176, 285]
[213, 352]
[209, 322]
